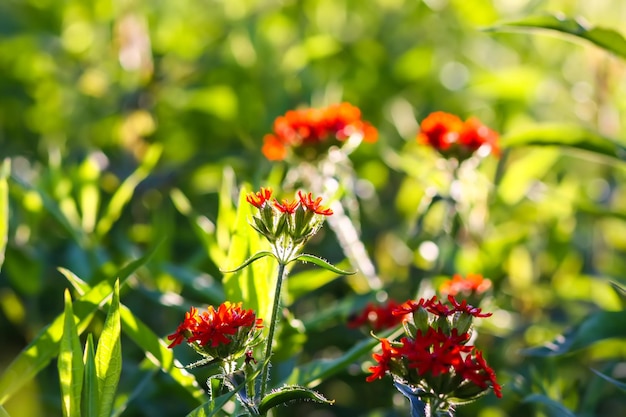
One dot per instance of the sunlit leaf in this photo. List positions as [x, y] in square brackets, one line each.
[607, 39]
[3, 412]
[125, 191]
[571, 136]
[598, 326]
[256, 256]
[5, 169]
[109, 356]
[90, 393]
[70, 363]
[619, 384]
[321, 263]
[45, 345]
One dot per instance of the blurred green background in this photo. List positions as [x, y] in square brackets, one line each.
[185, 90]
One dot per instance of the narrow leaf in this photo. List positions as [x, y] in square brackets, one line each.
[70, 363]
[5, 169]
[3, 412]
[321, 263]
[211, 408]
[256, 256]
[553, 407]
[90, 391]
[606, 39]
[109, 356]
[619, 384]
[79, 285]
[418, 407]
[288, 394]
[157, 352]
[124, 193]
[572, 136]
[598, 326]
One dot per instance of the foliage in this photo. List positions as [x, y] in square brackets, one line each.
[131, 133]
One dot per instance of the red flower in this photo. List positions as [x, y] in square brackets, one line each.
[313, 205]
[377, 317]
[440, 130]
[312, 127]
[260, 198]
[411, 306]
[288, 207]
[452, 137]
[471, 284]
[466, 308]
[383, 359]
[186, 328]
[476, 370]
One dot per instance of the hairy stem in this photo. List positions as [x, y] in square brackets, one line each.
[270, 336]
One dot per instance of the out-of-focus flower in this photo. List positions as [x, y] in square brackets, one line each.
[223, 332]
[377, 317]
[453, 138]
[309, 132]
[465, 286]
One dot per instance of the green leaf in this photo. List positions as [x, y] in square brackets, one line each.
[124, 193]
[211, 408]
[572, 136]
[250, 285]
[307, 281]
[290, 393]
[5, 169]
[79, 285]
[321, 263]
[314, 372]
[606, 39]
[3, 412]
[45, 345]
[70, 363]
[553, 407]
[258, 255]
[599, 326]
[109, 356]
[157, 352]
[90, 393]
[619, 384]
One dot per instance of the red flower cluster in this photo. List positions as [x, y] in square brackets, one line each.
[438, 308]
[468, 285]
[434, 355]
[314, 127]
[219, 332]
[377, 317]
[452, 137]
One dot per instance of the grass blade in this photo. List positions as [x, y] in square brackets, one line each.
[90, 392]
[70, 363]
[109, 356]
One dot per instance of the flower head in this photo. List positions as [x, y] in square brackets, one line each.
[383, 360]
[469, 285]
[222, 332]
[259, 198]
[453, 138]
[314, 205]
[308, 132]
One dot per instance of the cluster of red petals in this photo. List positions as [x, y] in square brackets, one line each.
[470, 284]
[214, 326]
[259, 198]
[436, 307]
[437, 353]
[377, 317]
[312, 126]
[444, 131]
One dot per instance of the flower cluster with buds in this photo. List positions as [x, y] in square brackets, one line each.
[309, 132]
[454, 138]
[433, 358]
[376, 317]
[226, 332]
[287, 225]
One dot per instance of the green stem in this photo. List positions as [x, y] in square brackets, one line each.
[270, 336]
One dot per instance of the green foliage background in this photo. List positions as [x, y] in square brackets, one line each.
[129, 123]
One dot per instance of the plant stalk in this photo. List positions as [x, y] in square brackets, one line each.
[270, 336]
